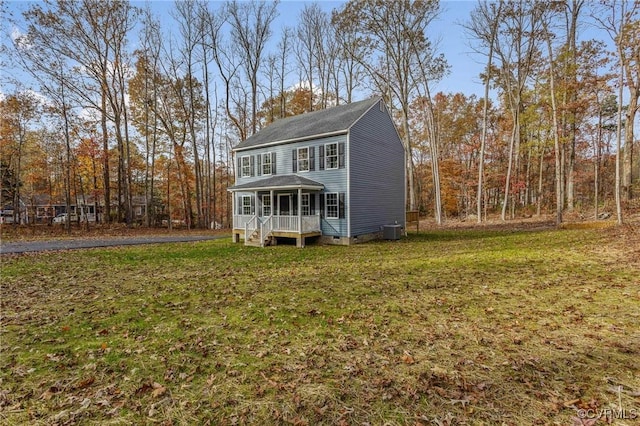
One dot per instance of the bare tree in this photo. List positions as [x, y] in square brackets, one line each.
[92, 36]
[516, 46]
[484, 27]
[620, 20]
[350, 47]
[556, 128]
[396, 34]
[188, 16]
[283, 70]
[251, 29]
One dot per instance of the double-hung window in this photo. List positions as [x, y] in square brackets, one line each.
[331, 201]
[306, 205]
[303, 159]
[266, 205]
[331, 156]
[246, 166]
[246, 205]
[267, 167]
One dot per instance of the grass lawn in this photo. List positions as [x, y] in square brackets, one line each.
[443, 327]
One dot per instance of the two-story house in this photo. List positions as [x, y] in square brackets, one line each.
[336, 174]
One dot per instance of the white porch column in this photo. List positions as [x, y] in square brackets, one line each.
[235, 237]
[233, 209]
[273, 206]
[300, 210]
[258, 204]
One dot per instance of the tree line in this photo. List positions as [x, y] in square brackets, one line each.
[120, 110]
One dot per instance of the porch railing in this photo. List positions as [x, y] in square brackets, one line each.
[239, 221]
[250, 226]
[276, 223]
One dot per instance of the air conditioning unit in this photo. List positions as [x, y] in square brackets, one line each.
[391, 232]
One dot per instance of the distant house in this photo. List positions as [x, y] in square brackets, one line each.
[336, 174]
[41, 208]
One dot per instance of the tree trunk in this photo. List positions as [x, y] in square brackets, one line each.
[627, 169]
[503, 215]
[618, 146]
[556, 136]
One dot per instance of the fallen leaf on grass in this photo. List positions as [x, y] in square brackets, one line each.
[158, 390]
[146, 387]
[85, 383]
[577, 421]
[571, 403]
[407, 358]
[47, 395]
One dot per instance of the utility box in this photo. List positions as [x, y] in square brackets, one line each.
[391, 232]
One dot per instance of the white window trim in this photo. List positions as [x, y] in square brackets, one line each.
[268, 156]
[326, 156]
[246, 197]
[267, 204]
[337, 205]
[299, 160]
[305, 205]
[248, 166]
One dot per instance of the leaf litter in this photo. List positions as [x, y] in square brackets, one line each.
[446, 327]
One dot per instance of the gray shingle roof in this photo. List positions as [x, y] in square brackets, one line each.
[278, 181]
[308, 125]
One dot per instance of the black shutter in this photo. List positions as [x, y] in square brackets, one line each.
[312, 157]
[341, 205]
[252, 161]
[312, 204]
[239, 210]
[273, 163]
[321, 196]
[239, 168]
[341, 155]
[259, 165]
[253, 205]
[294, 155]
[321, 157]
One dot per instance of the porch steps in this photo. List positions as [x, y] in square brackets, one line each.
[254, 240]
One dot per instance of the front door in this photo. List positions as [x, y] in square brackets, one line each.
[284, 204]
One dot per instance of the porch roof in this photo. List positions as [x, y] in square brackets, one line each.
[279, 182]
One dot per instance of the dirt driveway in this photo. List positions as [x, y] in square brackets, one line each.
[17, 247]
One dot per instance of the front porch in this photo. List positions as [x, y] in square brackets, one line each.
[261, 231]
[276, 207]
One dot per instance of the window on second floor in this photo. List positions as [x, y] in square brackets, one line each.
[246, 166]
[267, 164]
[331, 156]
[303, 159]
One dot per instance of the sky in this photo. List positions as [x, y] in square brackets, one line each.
[450, 36]
[447, 31]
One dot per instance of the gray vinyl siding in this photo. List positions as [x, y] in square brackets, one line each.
[376, 161]
[334, 180]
